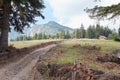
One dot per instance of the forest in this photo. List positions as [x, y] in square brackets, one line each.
[92, 32]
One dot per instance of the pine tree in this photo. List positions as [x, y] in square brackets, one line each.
[91, 32]
[101, 12]
[98, 30]
[113, 35]
[62, 34]
[35, 37]
[119, 31]
[17, 13]
[67, 35]
[82, 31]
[107, 31]
[57, 35]
[77, 33]
[40, 36]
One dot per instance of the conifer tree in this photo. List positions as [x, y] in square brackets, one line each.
[18, 14]
[119, 31]
[102, 12]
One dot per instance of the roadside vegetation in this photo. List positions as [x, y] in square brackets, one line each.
[92, 54]
[84, 51]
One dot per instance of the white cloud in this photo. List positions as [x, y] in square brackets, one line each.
[76, 21]
[63, 8]
[71, 12]
[109, 2]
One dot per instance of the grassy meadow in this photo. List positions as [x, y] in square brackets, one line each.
[84, 51]
[77, 50]
[22, 44]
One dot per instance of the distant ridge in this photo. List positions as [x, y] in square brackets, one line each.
[50, 28]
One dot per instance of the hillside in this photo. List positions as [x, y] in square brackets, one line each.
[51, 28]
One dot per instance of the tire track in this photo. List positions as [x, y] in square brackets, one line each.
[22, 69]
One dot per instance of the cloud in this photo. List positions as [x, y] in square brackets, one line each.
[76, 21]
[71, 12]
[63, 8]
[110, 2]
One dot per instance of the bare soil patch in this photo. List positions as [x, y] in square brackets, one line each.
[23, 68]
[79, 71]
[88, 47]
[114, 57]
[73, 72]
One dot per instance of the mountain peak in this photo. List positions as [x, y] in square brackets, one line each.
[51, 23]
[51, 28]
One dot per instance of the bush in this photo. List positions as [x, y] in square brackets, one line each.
[117, 39]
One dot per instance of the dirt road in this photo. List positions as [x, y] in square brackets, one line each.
[22, 69]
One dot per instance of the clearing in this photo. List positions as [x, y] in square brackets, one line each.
[73, 59]
[82, 59]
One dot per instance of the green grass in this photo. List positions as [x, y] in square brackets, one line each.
[22, 44]
[46, 74]
[106, 45]
[82, 55]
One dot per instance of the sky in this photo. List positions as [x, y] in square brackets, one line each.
[71, 12]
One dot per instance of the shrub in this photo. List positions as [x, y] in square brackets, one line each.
[117, 39]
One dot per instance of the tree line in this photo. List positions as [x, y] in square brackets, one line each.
[92, 32]
[64, 34]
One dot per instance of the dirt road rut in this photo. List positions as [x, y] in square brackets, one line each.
[22, 69]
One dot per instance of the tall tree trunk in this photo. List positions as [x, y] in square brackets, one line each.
[5, 27]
